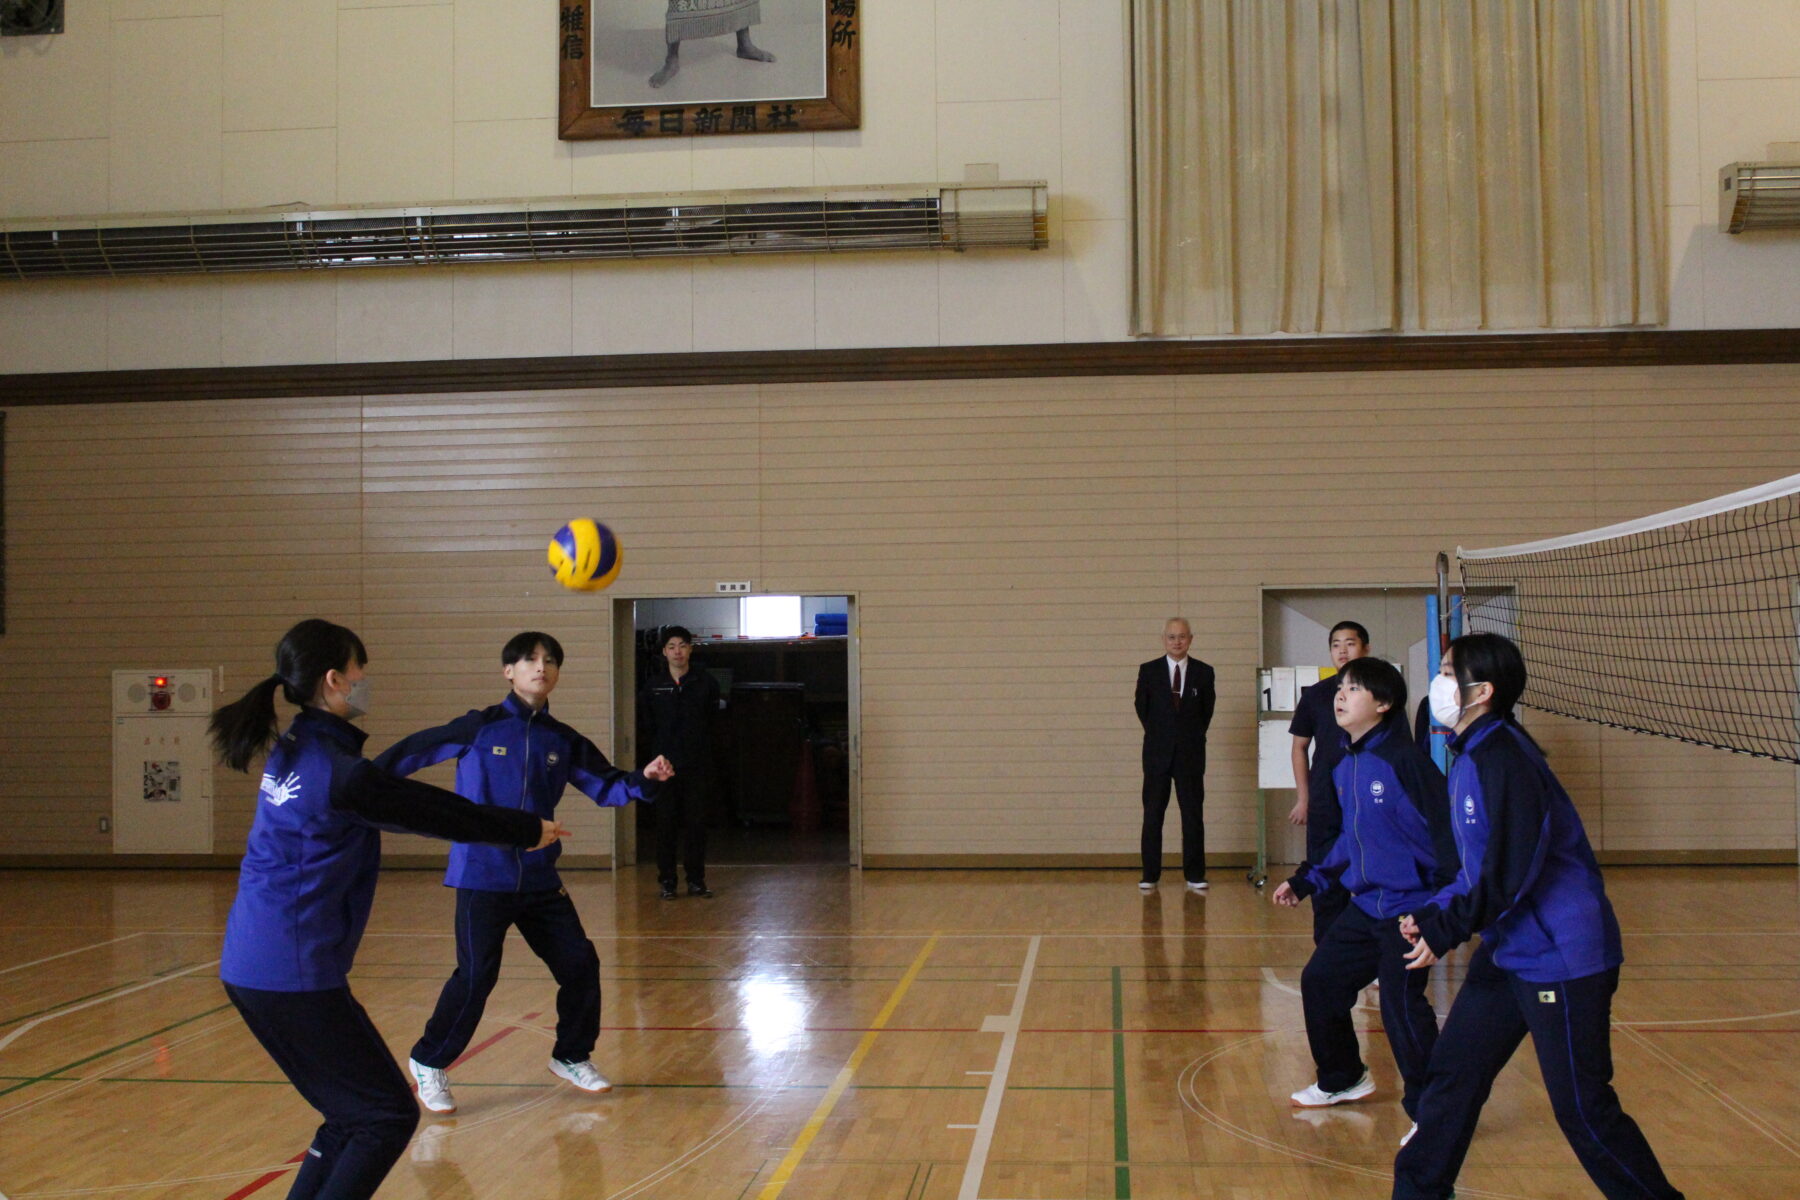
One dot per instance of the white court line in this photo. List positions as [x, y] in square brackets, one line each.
[1737, 1109]
[1791, 1012]
[138, 1060]
[996, 1092]
[28, 1026]
[1268, 974]
[1189, 1093]
[79, 950]
[700, 1149]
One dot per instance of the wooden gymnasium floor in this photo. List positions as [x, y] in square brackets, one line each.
[818, 1032]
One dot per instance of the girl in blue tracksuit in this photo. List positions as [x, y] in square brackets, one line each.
[1550, 953]
[516, 756]
[304, 891]
[1394, 852]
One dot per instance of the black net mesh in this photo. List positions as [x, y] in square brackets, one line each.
[1685, 631]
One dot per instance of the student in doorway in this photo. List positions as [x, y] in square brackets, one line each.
[1550, 950]
[304, 891]
[1395, 851]
[515, 755]
[677, 706]
[1315, 796]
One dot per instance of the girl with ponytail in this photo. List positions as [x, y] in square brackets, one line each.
[304, 893]
[1550, 952]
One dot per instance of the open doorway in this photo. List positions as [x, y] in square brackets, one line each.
[780, 754]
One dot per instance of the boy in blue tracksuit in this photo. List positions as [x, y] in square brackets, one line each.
[1550, 949]
[516, 755]
[1394, 853]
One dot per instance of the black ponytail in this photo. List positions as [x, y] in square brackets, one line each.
[243, 730]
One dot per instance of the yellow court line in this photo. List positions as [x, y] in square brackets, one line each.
[816, 1122]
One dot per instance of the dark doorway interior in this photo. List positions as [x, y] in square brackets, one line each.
[780, 773]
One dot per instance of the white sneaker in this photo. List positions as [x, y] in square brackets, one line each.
[1313, 1096]
[1409, 1133]
[434, 1087]
[581, 1074]
[1194, 886]
[1144, 885]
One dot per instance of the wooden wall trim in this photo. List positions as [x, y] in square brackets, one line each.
[1626, 348]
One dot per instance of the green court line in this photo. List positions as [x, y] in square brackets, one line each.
[46, 1078]
[55, 1071]
[1121, 1130]
[59, 1004]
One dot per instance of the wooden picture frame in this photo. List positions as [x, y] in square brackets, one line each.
[797, 72]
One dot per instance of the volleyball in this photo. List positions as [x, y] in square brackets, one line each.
[584, 555]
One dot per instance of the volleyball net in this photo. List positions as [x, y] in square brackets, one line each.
[1680, 624]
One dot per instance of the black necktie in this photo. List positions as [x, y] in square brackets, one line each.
[1176, 686]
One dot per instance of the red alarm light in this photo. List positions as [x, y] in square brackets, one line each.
[160, 681]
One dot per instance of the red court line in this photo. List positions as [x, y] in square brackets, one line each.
[258, 1184]
[472, 1051]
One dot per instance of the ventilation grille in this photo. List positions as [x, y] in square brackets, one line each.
[931, 217]
[1759, 195]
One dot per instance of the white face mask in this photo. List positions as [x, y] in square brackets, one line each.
[1446, 700]
[357, 699]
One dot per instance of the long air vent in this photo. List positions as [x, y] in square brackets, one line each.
[1759, 195]
[923, 217]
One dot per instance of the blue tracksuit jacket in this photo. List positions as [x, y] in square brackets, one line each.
[513, 757]
[308, 875]
[1529, 884]
[1395, 851]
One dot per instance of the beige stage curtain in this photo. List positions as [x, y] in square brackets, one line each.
[1312, 166]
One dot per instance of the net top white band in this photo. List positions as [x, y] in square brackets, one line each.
[1675, 516]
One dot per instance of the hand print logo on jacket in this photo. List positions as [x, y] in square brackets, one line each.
[279, 793]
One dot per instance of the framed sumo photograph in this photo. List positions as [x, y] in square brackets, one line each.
[686, 68]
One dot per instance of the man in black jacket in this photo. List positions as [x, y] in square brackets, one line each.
[1174, 705]
[677, 706]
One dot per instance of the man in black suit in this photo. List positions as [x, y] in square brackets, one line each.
[1175, 705]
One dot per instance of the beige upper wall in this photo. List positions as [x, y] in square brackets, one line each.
[1014, 548]
[202, 104]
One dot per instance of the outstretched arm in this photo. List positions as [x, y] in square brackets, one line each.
[428, 747]
[607, 785]
[408, 806]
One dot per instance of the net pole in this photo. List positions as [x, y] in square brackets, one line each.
[1442, 623]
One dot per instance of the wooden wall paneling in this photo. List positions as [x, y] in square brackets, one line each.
[1015, 544]
[177, 536]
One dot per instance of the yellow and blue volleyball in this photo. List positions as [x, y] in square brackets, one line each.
[584, 555]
